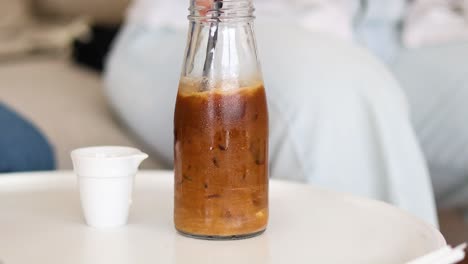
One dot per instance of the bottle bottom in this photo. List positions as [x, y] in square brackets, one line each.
[232, 237]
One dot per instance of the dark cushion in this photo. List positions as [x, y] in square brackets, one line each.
[22, 146]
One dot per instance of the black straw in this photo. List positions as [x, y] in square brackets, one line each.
[212, 40]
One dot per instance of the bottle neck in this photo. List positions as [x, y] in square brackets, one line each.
[222, 11]
[221, 47]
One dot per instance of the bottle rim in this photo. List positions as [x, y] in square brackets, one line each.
[221, 10]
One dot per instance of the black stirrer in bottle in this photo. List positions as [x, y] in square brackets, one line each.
[212, 40]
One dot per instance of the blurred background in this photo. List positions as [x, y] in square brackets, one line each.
[53, 56]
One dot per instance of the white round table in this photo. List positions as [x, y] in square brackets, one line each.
[41, 222]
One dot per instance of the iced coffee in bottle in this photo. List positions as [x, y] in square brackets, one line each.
[221, 127]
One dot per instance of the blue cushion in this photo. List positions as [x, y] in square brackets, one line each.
[22, 146]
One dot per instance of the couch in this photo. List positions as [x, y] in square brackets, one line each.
[66, 102]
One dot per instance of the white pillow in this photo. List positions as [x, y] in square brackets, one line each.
[432, 22]
[326, 16]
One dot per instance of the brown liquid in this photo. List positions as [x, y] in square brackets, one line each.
[221, 162]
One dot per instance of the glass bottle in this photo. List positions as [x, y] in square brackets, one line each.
[221, 126]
